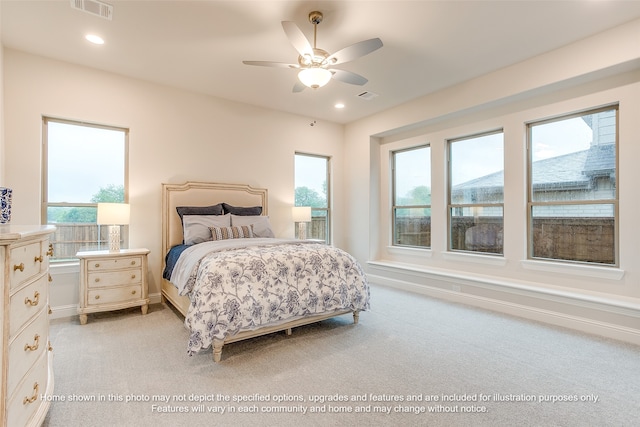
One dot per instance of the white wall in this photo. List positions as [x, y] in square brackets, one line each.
[174, 136]
[601, 70]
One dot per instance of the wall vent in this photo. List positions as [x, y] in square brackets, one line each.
[367, 96]
[94, 7]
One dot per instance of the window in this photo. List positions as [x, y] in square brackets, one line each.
[312, 189]
[476, 193]
[83, 164]
[412, 197]
[572, 187]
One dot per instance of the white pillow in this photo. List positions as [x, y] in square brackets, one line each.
[261, 224]
[196, 227]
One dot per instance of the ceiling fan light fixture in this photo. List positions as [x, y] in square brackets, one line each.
[314, 77]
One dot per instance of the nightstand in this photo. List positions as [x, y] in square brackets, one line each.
[112, 281]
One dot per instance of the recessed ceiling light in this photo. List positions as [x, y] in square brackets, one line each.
[339, 105]
[94, 39]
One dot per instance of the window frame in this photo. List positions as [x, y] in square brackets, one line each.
[326, 210]
[615, 201]
[394, 196]
[45, 204]
[451, 206]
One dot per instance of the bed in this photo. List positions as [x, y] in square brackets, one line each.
[240, 281]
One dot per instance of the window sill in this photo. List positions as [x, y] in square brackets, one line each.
[478, 258]
[410, 251]
[611, 273]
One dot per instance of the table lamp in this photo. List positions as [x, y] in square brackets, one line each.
[114, 215]
[301, 215]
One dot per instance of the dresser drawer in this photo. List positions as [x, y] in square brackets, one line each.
[25, 262]
[114, 295]
[27, 302]
[26, 400]
[26, 348]
[114, 278]
[113, 263]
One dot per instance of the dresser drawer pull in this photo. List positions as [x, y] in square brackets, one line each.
[97, 279]
[35, 301]
[133, 276]
[34, 397]
[133, 292]
[19, 267]
[36, 344]
[97, 265]
[50, 251]
[49, 347]
[97, 297]
[50, 278]
[38, 259]
[133, 263]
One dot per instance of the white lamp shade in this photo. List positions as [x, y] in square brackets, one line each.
[113, 213]
[301, 213]
[314, 77]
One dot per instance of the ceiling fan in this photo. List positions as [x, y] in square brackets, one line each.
[314, 63]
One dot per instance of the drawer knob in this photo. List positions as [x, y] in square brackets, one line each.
[97, 265]
[19, 267]
[133, 292]
[38, 259]
[50, 348]
[50, 278]
[36, 344]
[97, 279]
[50, 251]
[133, 276]
[33, 397]
[97, 296]
[33, 302]
[133, 263]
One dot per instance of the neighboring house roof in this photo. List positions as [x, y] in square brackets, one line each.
[569, 171]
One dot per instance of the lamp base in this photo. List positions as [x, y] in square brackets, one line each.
[302, 230]
[114, 238]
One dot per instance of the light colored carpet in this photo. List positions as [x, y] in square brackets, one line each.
[407, 346]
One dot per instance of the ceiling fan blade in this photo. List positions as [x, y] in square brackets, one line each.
[297, 38]
[271, 64]
[298, 87]
[348, 77]
[354, 51]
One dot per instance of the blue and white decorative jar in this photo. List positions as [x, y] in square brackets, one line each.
[5, 205]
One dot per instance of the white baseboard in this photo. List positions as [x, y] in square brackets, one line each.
[60, 312]
[469, 290]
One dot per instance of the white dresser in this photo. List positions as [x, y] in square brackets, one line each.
[25, 350]
[112, 281]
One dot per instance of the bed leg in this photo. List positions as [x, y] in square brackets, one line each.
[288, 331]
[356, 317]
[217, 350]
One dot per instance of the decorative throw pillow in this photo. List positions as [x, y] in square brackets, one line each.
[196, 227]
[261, 224]
[224, 233]
[244, 211]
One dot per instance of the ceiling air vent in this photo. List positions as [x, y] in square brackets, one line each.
[94, 7]
[367, 96]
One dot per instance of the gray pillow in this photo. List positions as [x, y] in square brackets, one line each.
[261, 224]
[196, 228]
[243, 211]
[200, 210]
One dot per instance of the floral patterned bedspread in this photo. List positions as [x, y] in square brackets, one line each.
[245, 284]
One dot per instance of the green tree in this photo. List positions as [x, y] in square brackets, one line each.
[110, 194]
[305, 196]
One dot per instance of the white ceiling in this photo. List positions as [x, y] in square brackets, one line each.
[200, 45]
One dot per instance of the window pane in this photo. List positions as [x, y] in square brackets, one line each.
[574, 159]
[478, 229]
[412, 178]
[412, 226]
[82, 161]
[574, 232]
[85, 165]
[311, 189]
[477, 165]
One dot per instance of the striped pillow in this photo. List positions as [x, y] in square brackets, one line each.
[237, 232]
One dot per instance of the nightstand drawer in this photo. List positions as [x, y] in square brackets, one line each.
[26, 348]
[114, 295]
[114, 263]
[27, 302]
[114, 278]
[25, 262]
